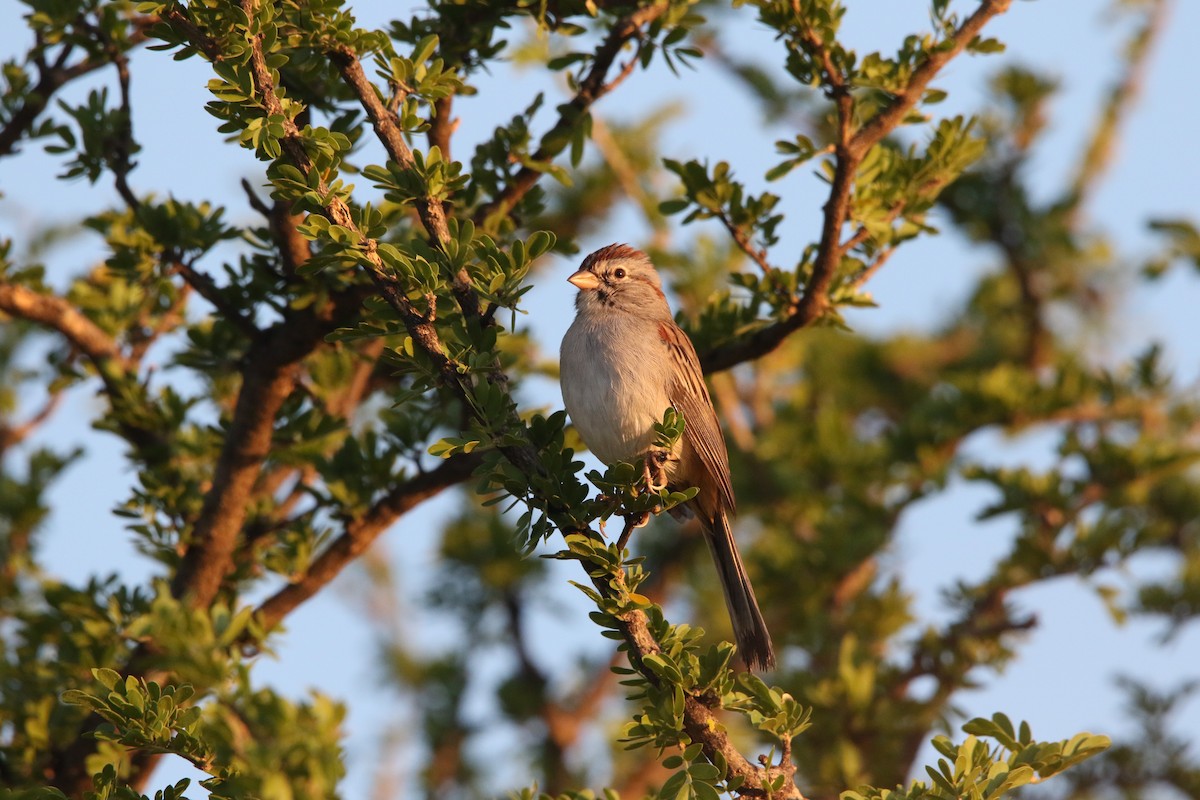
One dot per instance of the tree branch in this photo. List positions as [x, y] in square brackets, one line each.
[387, 129]
[179, 19]
[272, 367]
[54, 312]
[51, 78]
[266, 383]
[208, 289]
[443, 125]
[591, 89]
[11, 435]
[1099, 153]
[700, 722]
[873, 131]
[757, 255]
[49, 82]
[849, 150]
[270, 375]
[360, 533]
[121, 163]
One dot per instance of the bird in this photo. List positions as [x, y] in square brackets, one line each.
[622, 363]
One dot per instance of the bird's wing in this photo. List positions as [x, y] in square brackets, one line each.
[701, 430]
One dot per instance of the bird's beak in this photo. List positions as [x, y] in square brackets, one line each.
[584, 279]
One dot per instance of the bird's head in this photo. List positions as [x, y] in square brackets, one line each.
[621, 278]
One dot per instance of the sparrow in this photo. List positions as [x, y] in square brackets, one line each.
[623, 362]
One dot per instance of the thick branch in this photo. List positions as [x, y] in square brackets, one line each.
[269, 377]
[271, 371]
[443, 125]
[54, 312]
[265, 385]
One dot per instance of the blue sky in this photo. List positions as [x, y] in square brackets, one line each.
[329, 647]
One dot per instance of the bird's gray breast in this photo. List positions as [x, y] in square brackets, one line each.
[614, 374]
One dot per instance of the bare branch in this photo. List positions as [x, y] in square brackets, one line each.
[868, 272]
[360, 382]
[254, 200]
[1103, 144]
[265, 385]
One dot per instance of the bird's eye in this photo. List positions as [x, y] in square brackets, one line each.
[618, 273]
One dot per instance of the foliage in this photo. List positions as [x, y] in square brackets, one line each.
[287, 389]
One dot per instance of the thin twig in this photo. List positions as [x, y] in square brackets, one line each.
[873, 131]
[591, 88]
[121, 164]
[208, 289]
[254, 200]
[51, 78]
[1103, 144]
[867, 272]
[11, 435]
[738, 234]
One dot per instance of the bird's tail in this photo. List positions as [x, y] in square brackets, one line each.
[749, 629]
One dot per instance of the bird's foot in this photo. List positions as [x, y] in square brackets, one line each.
[654, 470]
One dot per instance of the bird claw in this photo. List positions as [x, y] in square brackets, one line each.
[654, 471]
